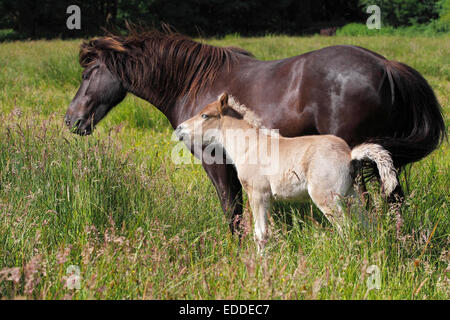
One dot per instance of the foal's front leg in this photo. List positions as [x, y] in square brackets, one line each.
[260, 204]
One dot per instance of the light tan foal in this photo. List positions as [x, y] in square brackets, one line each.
[321, 167]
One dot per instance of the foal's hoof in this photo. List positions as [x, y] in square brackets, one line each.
[261, 246]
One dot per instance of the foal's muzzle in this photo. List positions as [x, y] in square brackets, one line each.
[179, 132]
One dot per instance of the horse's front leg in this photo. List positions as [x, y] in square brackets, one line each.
[229, 190]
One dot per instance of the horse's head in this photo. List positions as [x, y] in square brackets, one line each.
[100, 89]
[204, 128]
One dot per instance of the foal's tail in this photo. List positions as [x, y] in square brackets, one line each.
[375, 153]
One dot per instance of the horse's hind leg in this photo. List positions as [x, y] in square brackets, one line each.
[361, 188]
[397, 196]
[358, 208]
[395, 201]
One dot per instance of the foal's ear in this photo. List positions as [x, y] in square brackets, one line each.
[223, 102]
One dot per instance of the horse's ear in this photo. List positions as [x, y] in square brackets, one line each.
[223, 102]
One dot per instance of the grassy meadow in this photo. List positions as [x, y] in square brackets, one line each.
[139, 226]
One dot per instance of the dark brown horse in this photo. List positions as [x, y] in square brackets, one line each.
[347, 91]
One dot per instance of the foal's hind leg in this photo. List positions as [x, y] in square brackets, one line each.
[328, 203]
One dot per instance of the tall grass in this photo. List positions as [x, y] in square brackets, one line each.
[141, 227]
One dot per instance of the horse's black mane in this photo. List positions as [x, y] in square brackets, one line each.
[168, 61]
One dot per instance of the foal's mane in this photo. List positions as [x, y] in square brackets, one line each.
[168, 62]
[249, 116]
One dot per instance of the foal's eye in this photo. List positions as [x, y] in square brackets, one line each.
[205, 116]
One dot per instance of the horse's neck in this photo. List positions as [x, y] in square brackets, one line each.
[152, 91]
[173, 107]
[178, 108]
[153, 96]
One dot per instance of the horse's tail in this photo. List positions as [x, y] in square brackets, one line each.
[416, 118]
[375, 153]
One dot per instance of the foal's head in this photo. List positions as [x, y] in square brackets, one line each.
[100, 89]
[204, 128]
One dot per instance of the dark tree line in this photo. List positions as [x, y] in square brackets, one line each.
[407, 12]
[47, 18]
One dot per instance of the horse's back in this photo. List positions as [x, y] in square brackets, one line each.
[345, 89]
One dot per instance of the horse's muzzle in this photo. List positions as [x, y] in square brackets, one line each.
[78, 126]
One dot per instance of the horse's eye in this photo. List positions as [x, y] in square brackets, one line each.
[205, 116]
